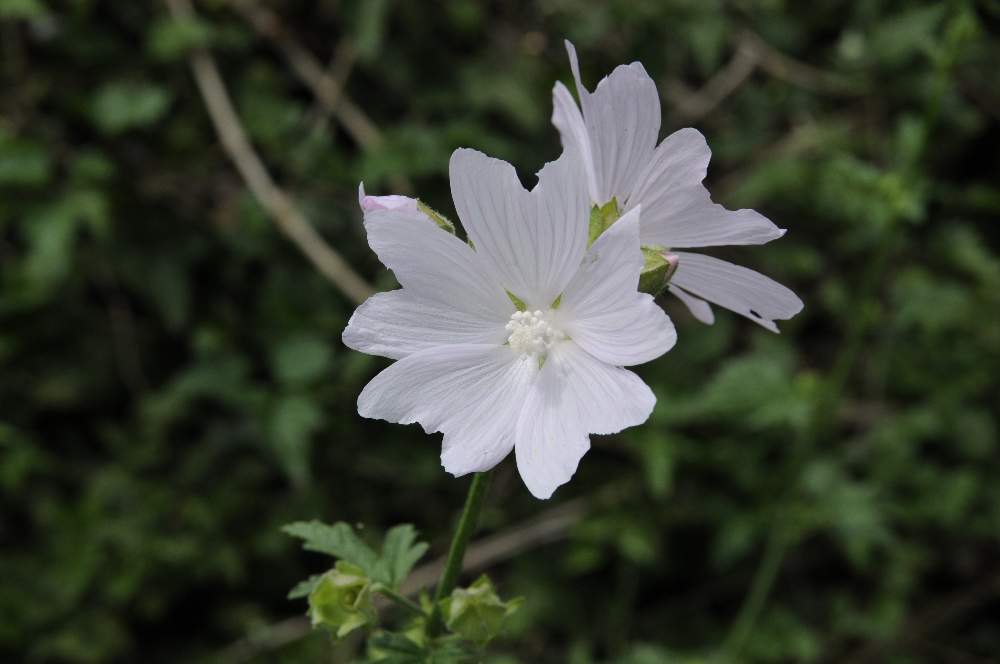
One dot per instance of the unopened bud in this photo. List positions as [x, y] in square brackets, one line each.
[342, 600]
[659, 267]
[477, 613]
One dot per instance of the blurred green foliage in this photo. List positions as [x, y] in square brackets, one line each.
[174, 388]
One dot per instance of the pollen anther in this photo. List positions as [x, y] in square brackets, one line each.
[532, 333]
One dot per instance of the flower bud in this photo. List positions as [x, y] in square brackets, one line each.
[477, 613]
[659, 267]
[342, 600]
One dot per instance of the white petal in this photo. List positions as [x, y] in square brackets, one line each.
[574, 65]
[434, 265]
[391, 202]
[699, 308]
[622, 117]
[677, 210]
[736, 288]
[398, 323]
[532, 240]
[573, 395]
[473, 394]
[573, 132]
[609, 270]
[601, 308]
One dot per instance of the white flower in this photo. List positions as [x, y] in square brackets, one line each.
[470, 363]
[615, 137]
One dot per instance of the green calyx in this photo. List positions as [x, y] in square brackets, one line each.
[658, 268]
[341, 600]
[435, 216]
[601, 219]
[477, 613]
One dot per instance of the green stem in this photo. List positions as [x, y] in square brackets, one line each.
[763, 579]
[821, 423]
[460, 540]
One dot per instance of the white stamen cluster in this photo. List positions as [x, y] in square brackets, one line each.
[531, 333]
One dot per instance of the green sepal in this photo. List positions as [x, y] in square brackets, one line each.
[341, 600]
[435, 216]
[477, 613]
[518, 302]
[601, 219]
[658, 267]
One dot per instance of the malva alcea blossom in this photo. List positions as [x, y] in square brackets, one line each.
[615, 137]
[517, 340]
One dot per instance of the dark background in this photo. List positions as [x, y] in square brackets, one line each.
[174, 388]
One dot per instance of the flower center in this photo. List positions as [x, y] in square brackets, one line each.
[531, 333]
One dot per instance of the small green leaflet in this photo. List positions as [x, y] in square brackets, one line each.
[303, 588]
[400, 550]
[337, 540]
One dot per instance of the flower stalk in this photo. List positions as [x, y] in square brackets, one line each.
[464, 531]
[400, 600]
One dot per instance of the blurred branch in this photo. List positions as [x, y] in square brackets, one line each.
[327, 87]
[270, 197]
[752, 52]
[693, 105]
[779, 65]
[795, 141]
[549, 526]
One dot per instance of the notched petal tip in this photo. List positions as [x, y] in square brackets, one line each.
[450, 464]
[464, 161]
[351, 336]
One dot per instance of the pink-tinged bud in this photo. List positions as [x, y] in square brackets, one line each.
[673, 260]
[392, 202]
